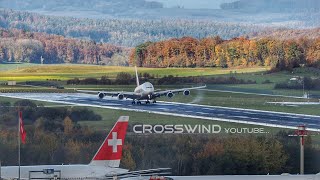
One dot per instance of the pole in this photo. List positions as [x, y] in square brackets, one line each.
[302, 155]
[19, 144]
[301, 133]
[303, 87]
[0, 171]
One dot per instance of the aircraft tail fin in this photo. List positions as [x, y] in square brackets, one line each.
[137, 77]
[110, 152]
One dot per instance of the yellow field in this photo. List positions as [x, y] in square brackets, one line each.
[64, 72]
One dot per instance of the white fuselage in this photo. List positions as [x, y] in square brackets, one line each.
[67, 171]
[145, 90]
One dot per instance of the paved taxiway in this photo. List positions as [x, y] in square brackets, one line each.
[237, 115]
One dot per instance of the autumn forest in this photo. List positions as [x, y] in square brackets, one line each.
[237, 52]
[33, 47]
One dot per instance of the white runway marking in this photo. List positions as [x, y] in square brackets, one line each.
[243, 117]
[313, 124]
[166, 109]
[295, 117]
[202, 113]
[259, 94]
[248, 112]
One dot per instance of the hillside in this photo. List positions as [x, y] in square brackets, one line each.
[124, 32]
[274, 5]
[288, 34]
[192, 4]
[104, 6]
[284, 13]
[21, 46]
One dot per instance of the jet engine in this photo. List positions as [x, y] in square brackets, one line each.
[101, 95]
[170, 94]
[186, 92]
[120, 96]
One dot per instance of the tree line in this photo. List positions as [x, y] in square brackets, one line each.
[222, 155]
[34, 47]
[55, 136]
[237, 52]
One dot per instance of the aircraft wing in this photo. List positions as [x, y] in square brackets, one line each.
[130, 95]
[148, 172]
[164, 93]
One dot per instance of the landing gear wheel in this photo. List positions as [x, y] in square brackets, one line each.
[139, 103]
[154, 101]
[133, 102]
[147, 102]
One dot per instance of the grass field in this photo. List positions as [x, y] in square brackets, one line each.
[64, 72]
[32, 72]
[12, 66]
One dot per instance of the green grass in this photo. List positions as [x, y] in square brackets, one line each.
[12, 66]
[261, 76]
[64, 72]
[32, 72]
[28, 89]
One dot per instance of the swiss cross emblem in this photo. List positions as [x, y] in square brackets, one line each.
[114, 142]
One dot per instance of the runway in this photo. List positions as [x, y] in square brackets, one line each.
[214, 113]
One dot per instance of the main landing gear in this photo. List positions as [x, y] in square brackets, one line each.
[153, 102]
[139, 102]
[136, 102]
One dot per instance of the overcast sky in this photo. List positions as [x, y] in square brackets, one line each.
[194, 4]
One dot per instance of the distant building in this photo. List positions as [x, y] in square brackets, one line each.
[12, 83]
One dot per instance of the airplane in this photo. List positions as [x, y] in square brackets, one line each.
[104, 165]
[144, 91]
